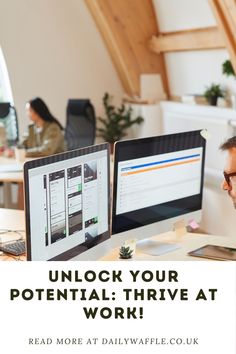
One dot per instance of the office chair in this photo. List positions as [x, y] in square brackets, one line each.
[80, 124]
[8, 117]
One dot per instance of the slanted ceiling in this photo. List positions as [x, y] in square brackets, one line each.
[127, 26]
[130, 30]
[225, 14]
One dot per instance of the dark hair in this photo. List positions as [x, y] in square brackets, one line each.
[40, 107]
[229, 144]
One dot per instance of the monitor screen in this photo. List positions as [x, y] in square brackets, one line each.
[67, 203]
[157, 178]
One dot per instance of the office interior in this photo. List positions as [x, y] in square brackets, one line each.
[143, 53]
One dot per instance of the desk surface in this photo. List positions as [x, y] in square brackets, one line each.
[109, 250]
[187, 243]
[11, 219]
[7, 176]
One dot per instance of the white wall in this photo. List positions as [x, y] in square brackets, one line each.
[176, 15]
[218, 212]
[218, 215]
[54, 50]
[191, 71]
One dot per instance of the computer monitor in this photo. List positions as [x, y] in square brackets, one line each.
[157, 181]
[67, 203]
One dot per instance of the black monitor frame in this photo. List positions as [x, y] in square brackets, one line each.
[138, 148]
[54, 159]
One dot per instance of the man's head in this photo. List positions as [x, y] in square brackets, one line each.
[229, 183]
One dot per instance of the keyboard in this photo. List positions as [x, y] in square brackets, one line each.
[15, 248]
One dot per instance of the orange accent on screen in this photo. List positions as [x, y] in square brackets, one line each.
[159, 167]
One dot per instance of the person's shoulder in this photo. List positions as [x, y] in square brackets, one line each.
[52, 126]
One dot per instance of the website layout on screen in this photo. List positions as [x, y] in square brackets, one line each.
[68, 204]
[158, 179]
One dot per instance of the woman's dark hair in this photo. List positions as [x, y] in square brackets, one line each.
[40, 107]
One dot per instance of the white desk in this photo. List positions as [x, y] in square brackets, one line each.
[11, 171]
[8, 176]
[109, 250]
[11, 219]
[6, 172]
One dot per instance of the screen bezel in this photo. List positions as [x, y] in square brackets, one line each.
[127, 150]
[51, 160]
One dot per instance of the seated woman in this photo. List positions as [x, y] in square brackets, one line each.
[45, 136]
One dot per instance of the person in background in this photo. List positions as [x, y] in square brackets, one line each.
[45, 136]
[229, 183]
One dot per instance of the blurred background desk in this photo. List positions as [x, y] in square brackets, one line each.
[13, 220]
[11, 171]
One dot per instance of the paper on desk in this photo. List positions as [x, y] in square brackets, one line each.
[156, 248]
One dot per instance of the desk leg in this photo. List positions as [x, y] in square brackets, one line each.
[7, 197]
[20, 198]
